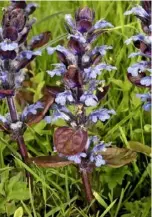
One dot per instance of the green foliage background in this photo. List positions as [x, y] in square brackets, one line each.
[123, 192]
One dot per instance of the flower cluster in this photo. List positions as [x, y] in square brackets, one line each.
[15, 51]
[79, 67]
[15, 54]
[140, 73]
[18, 127]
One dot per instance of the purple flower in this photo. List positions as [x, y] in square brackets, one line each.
[19, 78]
[66, 54]
[31, 109]
[102, 50]
[8, 46]
[138, 54]
[30, 8]
[89, 99]
[57, 114]
[139, 37]
[146, 81]
[137, 68]
[69, 20]
[3, 119]
[101, 114]
[3, 77]
[16, 126]
[77, 158]
[64, 97]
[102, 24]
[138, 10]
[145, 98]
[59, 70]
[78, 36]
[95, 155]
[94, 71]
[28, 54]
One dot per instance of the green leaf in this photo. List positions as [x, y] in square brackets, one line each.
[49, 17]
[147, 128]
[118, 157]
[19, 192]
[108, 208]
[38, 78]
[13, 181]
[18, 212]
[100, 199]
[38, 128]
[138, 208]
[139, 147]
[114, 176]
[38, 92]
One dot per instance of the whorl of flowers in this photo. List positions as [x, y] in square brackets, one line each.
[140, 73]
[79, 67]
[15, 54]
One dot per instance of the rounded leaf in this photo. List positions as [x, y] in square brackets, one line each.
[69, 141]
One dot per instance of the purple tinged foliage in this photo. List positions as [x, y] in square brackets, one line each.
[80, 64]
[93, 155]
[15, 51]
[140, 73]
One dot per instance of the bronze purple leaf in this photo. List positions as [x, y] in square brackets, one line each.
[18, 4]
[10, 33]
[7, 92]
[4, 128]
[136, 79]
[101, 93]
[84, 14]
[40, 40]
[69, 141]
[73, 78]
[76, 46]
[7, 54]
[117, 157]
[47, 100]
[50, 161]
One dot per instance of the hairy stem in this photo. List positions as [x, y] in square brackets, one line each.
[85, 175]
[20, 140]
[14, 118]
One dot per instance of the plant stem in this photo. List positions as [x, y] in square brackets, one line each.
[87, 186]
[20, 140]
[85, 175]
[14, 118]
